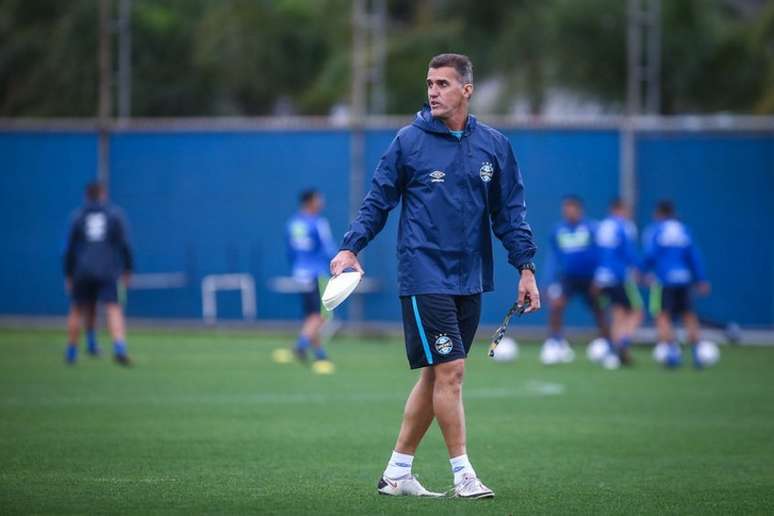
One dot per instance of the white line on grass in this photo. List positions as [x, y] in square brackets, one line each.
[530, 389]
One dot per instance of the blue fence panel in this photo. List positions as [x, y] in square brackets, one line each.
[214, 203]
[555, 163]
[41, 181]
[722, 185]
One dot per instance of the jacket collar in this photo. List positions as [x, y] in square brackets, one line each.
[428, 123]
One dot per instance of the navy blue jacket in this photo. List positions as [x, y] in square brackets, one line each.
[97, 245]
[452, 190]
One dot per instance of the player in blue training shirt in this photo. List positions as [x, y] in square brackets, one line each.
[673, 259]
[96, 257]
[310, 249]
[616, 271]
[570, 271]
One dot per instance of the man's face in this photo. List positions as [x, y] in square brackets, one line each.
[571, 211]
[316, 204]
[622, 211]
[445, 92]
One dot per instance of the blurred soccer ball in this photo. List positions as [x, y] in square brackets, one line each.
[556, 351]
[660, 352]
[611, 361]
[506, 351]
[708, 353]
[597, 349]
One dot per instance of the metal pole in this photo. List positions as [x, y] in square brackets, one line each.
[125, 59]
[627, 173]
[633, 58]
[653, 92]
[379, 22]
[105, 97]
[357, 138]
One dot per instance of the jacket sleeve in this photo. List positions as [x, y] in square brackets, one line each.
[122, 239]
[508, 209]
[384, 195]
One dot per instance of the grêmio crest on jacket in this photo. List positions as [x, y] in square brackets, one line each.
[486, 171]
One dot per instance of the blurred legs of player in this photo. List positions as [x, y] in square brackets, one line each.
[90, 318]
[626, 317]
[85, 295]
[314, 320]
[310, 337]
[676, 302]
[556, 348]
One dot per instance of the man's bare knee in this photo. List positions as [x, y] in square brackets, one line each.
[450, 374]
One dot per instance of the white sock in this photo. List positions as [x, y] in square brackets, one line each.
[460, 467]
[398, 466]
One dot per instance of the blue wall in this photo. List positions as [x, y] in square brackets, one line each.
[723, 186]
[215, 202]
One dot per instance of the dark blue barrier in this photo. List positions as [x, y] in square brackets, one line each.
[42, 175]
[723, 186]
[216, 202]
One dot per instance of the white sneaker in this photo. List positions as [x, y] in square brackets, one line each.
[611, 362]
[404, 486]
[472, 488]
[567, 355]
[550, 353]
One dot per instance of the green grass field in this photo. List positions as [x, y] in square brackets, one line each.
[206, 423]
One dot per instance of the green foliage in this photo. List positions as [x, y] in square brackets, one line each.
[248, 57]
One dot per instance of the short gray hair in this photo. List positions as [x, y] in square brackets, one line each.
[461, 63]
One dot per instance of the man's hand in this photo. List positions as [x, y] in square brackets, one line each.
[68, 284]
[528, 288]
[345, 260]
[703, 288]
[126, 277]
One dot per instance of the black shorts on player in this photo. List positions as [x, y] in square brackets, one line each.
[676, 300]
[616, 295]
[577, 286]
[89, 291]
[439, 327]
[310, 301]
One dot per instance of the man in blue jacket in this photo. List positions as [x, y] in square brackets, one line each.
[455, 178]
[97, 255]
[672, 257]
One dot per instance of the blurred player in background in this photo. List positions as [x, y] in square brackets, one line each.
[310, 249]
[615, 277]
[96, 257]
[572, 262]
[672, 257]
[456, 178]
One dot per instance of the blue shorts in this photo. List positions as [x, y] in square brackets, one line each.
[439, 327]
[88, 291]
